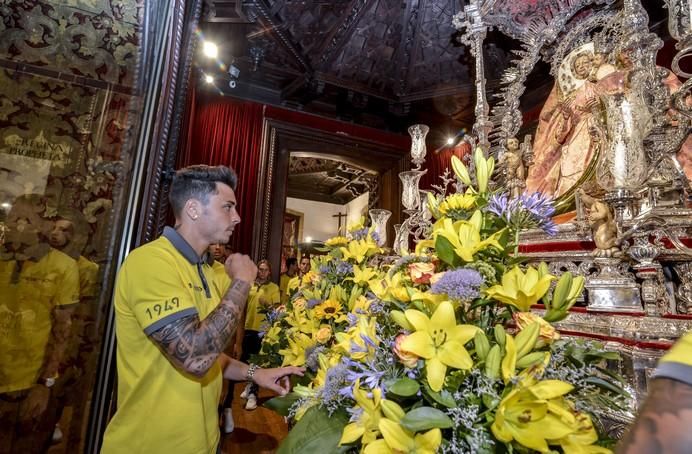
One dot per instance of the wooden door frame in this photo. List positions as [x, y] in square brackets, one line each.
[279, 141]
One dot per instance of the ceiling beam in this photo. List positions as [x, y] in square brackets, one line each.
[340, 34]
[266, 17]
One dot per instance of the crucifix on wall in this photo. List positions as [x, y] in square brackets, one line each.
[339, 215]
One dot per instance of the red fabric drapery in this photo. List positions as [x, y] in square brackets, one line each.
[229, 132]
[436, 163]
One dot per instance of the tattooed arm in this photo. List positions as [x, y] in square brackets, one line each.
[664, 422]
[194, 345]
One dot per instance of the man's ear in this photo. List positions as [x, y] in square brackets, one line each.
[192, 209]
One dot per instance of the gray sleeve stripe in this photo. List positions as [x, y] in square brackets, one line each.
[169, 319]
[676, 371]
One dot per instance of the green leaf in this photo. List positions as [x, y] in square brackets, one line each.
[315, 432]
[404, 387]
[281, 404]
[596, 381]
[443, 398]
[445, 250]
[426, 418]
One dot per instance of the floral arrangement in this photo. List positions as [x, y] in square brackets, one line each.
[439, 351]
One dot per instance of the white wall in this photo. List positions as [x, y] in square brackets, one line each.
[356, 208]
[318, 222]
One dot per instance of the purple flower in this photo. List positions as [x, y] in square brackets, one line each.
[360, 234]
[528, 211]
[367, 373]
[463, 284]
[312, 303]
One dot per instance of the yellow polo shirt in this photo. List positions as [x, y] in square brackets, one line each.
[677, 362]
[160, 408]
[269, 292]
[283, 287]
[29, 291]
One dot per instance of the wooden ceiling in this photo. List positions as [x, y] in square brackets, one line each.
[382, 63]
[327, 180]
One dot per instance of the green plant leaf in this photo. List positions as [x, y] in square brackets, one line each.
[316, 431]
[443, 398]
[445, 250]
[281, 404]
[426, 418]
[404, 387]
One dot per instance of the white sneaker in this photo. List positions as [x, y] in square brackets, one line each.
[228, 424]
[251, 403]
[246, 391]
[57, 434]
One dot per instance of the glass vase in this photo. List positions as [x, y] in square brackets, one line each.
[410, 195]
[623, 164]
[418, 148]
[379, 220]
[401, 239]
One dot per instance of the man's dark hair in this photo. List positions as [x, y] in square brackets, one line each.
[291, 261]
[198, 182]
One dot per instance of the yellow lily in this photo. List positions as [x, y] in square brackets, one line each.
[361, 305]
[294, 355]
[465, 236]
[534, 414]
[365, 427]
[440, 341]
[390, 288]
[353, 343]
[582, 441]
[397, 440]
[484, 170]
[362, 275]
[359, 250]
[521, 290]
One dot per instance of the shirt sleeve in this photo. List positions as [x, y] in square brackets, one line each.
[274, 295]
[158, 293]
[677, 363]
[69, 285]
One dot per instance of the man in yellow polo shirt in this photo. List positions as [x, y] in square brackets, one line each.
[665, 419]
[174, 319]
[285, 278]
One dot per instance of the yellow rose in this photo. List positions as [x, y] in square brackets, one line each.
[408, 359]
[548, 334]
[323, 334]
[421, 272]
[299, 303]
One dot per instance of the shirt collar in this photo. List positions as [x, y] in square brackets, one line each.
[184, 247]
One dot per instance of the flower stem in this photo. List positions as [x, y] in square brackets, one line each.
[516, 243]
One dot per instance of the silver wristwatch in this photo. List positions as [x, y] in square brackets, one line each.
[250, 374]
[47, 382]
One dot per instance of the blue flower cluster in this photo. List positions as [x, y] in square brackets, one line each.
[528, 211]
[463, 284]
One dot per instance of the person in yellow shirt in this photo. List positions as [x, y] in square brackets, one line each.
[664, 420]
[173, 321]
[303, 268]
[285, 278]
[263, 294]
[39, 288]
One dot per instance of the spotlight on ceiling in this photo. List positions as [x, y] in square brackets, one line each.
[209, 79]
[308, 239]
[450, 141]
[210, 49]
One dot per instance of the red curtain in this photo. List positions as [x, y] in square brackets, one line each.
[229, 132]
[436, 163]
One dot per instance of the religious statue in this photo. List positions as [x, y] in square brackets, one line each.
[512, 160]
[603, 228]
